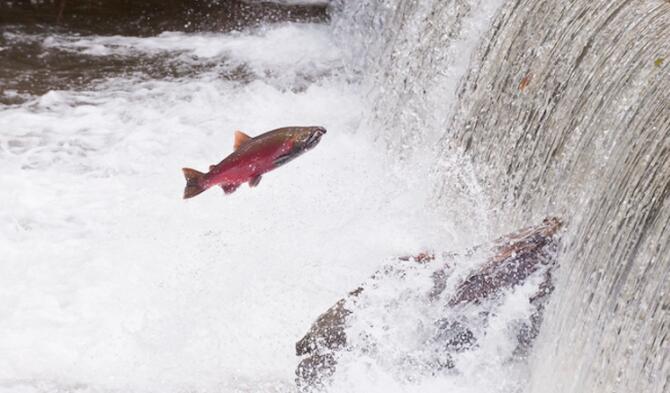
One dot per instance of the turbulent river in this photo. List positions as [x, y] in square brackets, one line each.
[449, 122]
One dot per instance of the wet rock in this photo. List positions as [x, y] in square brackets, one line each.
[454, 336]
[517, 256]
[514, 258]
[328, 330]
[314, 370]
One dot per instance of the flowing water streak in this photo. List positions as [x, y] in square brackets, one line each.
[565, 111]
[569, 114]
[412, 55]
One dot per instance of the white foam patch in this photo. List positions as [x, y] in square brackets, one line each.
[111, 282]
[264, 49]
[391, 334]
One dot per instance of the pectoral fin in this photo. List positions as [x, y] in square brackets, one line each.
[240, 138]
[229, 188]
[254, 181]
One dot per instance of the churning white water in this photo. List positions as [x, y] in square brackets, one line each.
[109, 281]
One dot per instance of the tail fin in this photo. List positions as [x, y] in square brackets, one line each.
[193, 186]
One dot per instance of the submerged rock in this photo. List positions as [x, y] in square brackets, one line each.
[512, 260]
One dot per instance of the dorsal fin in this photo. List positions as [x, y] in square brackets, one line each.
[240, 138]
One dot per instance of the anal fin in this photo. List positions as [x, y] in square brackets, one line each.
[229, 188]
[255, 180]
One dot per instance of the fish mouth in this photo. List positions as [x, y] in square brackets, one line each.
[314, 137]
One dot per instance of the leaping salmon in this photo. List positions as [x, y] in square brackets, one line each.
[252, 158]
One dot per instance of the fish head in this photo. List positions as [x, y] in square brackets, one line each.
[300, 139]
[308, 137]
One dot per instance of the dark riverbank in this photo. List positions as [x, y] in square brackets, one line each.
[30, 66]
[147, 17]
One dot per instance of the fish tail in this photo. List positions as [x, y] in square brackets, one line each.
[193, 183]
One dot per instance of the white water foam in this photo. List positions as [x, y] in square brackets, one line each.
[392, 345]
[286, 45]
[111, 282]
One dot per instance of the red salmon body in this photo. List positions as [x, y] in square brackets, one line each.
[252, 158]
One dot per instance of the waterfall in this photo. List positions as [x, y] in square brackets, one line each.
[564, 109]
[450, 123]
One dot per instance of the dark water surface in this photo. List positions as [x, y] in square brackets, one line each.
[31, 64]
[148, 17]
[29, 68]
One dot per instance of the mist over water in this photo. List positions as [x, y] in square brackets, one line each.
[449, 123]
